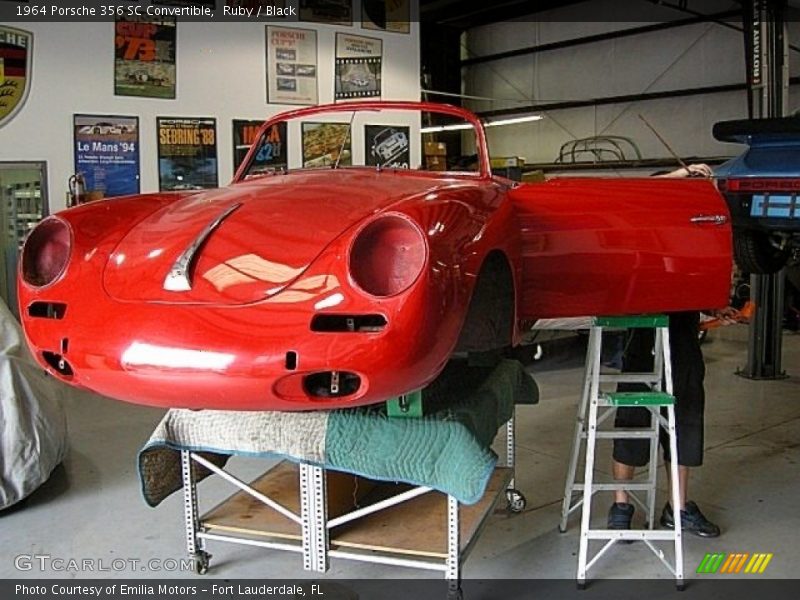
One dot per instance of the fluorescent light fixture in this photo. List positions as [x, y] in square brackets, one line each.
[514, 120]
[460, 126]
[438, 128]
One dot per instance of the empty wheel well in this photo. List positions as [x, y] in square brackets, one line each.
[490, 316]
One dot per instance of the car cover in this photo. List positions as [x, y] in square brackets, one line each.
[33, 425]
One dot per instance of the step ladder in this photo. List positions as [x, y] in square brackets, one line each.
[595, 407]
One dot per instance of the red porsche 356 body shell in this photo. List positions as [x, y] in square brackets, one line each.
[317, 289]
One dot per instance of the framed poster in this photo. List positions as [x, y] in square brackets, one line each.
[358, 67]
[107, 153]
[323, 143]
[144, 60]
[291, 66]
[387, 146]
[386, 15]
[16, 62]
[187, 153]
[272, 155]
[334, 12]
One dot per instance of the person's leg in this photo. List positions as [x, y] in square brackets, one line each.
[683, 482]
[627, 455]
[622, 472]
[688, 372]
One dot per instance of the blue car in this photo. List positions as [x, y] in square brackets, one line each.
[761, 187]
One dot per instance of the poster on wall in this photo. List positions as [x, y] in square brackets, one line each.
[387, 146]
[358, 67]
[187, 153]
[144, 62]
[291, 66]
[16, 47]
[386, 15]
[107, 154]
[325, 144]
[272, 155]
[335, 12]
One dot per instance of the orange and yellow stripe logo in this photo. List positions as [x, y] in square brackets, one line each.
[735, 563]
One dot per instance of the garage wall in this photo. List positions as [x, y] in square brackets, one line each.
[221, 73]
[692, 56]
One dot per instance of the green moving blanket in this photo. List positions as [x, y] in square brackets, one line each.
[448, 448]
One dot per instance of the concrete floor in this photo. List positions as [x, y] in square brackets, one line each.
[92, 507]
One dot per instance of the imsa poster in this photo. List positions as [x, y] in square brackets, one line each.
[291, 66]
[272, 154]
[144, 62]
[358, 67]
[107, 153]
[187, 153]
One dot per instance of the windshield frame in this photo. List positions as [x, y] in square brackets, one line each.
[484, 167]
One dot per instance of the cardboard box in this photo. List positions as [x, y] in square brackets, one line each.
[436, 163]
[435, 149]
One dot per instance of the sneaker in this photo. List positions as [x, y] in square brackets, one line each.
[692, 521]
[620, 515]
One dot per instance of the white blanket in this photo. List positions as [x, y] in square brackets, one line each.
[33, 426]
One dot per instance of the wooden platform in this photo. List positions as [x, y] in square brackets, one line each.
[416, 527]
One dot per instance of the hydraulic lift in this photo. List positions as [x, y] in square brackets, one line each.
[766, 52]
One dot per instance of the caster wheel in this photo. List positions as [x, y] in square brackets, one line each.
[201, 562]
[561, 529]
[680, 587]
[581, 585]
[516, 502]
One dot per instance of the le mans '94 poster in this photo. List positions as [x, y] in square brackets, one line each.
[272, 154]
[107, 153]
[187, 153]
[144, 62]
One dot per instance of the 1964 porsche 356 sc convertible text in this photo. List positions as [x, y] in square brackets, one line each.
[322, 288]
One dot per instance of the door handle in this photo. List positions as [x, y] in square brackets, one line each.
[710, 219]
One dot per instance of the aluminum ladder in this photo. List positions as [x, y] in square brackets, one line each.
[595, 407]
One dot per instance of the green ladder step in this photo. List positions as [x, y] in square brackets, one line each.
[639, 398]
[632, 321]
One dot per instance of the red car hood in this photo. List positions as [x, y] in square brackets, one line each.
[281, 225]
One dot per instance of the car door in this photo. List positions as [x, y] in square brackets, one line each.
[604, 246]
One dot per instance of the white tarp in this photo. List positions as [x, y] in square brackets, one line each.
[33, 425]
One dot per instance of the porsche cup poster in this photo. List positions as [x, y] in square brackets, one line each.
[187, 153]
[107, 154]
[144, 62]
[334, 12]
[326, 144]
[16, 46]
[386, 15]
[291, 66]
[272, 154]
[387, 146]
[358, 67]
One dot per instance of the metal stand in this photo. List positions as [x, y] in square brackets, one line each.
[316, 542]
[587, 427]
[764, 336]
